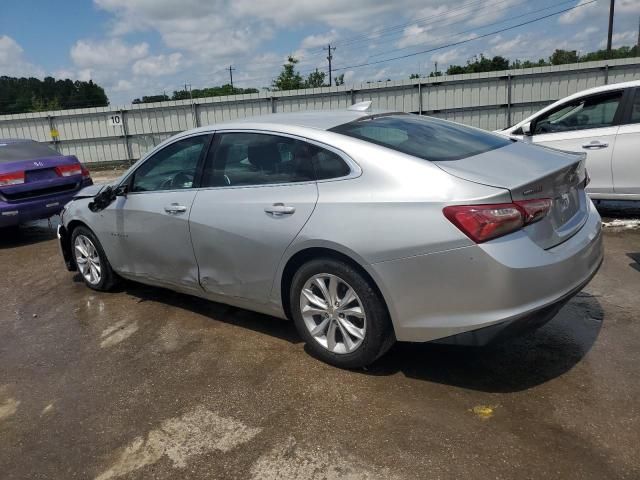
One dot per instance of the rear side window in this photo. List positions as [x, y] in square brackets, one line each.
[12, 151]
[244, 159]
[423, 137]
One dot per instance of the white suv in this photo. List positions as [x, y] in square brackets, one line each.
[605, 123]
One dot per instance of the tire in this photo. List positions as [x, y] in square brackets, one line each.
[89, 244]
[368, 336]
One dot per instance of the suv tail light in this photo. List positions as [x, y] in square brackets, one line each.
[13, 178]
[69, 170]
[485, 222]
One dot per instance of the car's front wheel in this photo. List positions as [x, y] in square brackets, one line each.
[339, 314]
[91, 260]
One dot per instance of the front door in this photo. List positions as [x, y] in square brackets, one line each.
[149, 227]
[258, 191]
[587, 124]
[626, 154]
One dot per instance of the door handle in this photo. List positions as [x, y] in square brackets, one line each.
[174, 209]
[279, 209]
[595, 145]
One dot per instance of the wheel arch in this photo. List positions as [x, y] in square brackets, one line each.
[302, 256]
[66, 244]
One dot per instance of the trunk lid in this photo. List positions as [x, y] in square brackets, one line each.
[532, 172]
[41, 177]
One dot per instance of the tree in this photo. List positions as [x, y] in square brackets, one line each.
[20, 95]
[339, 80]
[414, 76]
[560, 57]
[315, 79]
[289, 79]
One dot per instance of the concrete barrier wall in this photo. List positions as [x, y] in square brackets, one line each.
[487, 100]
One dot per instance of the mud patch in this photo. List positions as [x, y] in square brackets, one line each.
[117, 332]
[8, 407]
[196, 432]
[288, 461]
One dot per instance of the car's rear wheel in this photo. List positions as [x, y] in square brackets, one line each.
[91, 260]
[339, 314]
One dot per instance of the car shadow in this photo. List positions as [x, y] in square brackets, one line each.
[635, 256]
[511, 366]
[265, 324]
[28, 234]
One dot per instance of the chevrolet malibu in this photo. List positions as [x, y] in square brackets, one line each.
[363, 228]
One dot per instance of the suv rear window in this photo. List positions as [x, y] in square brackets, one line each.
[424, 137]
[12, 151]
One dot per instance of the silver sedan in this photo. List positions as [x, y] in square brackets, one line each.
[363, 228]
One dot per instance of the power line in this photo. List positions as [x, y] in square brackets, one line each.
[453, 44]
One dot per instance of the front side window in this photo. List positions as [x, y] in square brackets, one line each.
[596, 111]
[423, 137]
[172, 168]
[243, 159]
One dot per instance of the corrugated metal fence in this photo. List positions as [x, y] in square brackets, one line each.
[487, 100]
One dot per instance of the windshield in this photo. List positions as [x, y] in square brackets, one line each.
[12, 151]
[424, 137]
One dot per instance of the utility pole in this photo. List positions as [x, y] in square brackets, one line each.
[329, 57]
[638, 34]
[611, 8]
[231, 69]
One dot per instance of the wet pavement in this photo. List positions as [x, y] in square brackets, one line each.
[146, 383]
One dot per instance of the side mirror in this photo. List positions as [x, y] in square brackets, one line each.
[526, 129]
[121, 190]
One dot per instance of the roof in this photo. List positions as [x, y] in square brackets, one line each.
[322, 120]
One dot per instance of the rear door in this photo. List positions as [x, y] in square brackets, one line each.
[588, 124]
[626, 155]
[258, 191]
[146, 232]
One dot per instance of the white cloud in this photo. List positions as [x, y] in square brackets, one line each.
[111, 53]
[158, 65]
[122, 86]
[320, 40]
[12, 61]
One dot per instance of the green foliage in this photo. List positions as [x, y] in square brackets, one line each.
[339, 80]
[558, 57]
[151, 99]
[289, 79]
[21, 95]
[315, 79]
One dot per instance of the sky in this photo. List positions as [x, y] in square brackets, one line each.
[146, 47]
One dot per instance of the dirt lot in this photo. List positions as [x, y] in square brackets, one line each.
[145, 383]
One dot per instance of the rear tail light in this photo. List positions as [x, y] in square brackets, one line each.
[485, 222]
[13, 178]
[69, 170]
[85, 173]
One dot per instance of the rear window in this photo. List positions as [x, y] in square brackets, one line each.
[424, 137]
[15, 151]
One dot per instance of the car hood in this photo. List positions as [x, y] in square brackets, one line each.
[91, 191]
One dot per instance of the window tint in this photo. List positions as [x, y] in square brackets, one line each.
[13, 151]
[590, 112]
[241, 159]
[635, 108]
[424, 137]
[172, 168]
[328, 164]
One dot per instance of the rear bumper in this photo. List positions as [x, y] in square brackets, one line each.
[509, 280]
[15, 213]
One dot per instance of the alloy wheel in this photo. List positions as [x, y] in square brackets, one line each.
[333, 313]
[87, 259]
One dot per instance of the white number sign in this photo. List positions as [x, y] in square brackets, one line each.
[115, 120]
